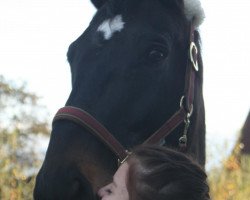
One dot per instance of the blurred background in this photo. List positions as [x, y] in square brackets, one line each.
[35, 83]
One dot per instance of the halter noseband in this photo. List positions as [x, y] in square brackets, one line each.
[87, 121]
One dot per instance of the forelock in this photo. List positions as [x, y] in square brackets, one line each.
[194, 12]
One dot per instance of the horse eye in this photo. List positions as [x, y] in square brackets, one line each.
[156, 55]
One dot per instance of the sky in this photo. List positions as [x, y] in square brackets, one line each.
[35, 35]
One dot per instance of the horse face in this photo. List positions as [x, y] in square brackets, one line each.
[128, 72]
[128, 67]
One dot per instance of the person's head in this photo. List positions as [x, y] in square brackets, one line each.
[157, 173]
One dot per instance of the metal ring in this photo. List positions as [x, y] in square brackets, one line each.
[181, 101]
[120, 162]
[189, 112]
[195, 63]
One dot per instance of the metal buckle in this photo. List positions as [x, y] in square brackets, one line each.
[193, 47]
[189, 112]
[120, 162]
[183, 139]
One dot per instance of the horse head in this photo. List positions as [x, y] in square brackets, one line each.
[128, 71]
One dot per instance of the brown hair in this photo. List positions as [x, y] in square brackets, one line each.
[159, 173]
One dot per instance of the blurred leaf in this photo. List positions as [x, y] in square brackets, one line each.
[21, 117]
[232, 180]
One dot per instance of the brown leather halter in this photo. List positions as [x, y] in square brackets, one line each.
[87, 121]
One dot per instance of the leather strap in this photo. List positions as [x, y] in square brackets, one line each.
[84, 119]
[167, 128]
[190, 72]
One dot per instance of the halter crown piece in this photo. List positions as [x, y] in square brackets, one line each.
[194, 12]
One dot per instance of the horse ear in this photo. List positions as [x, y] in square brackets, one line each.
[98, 3]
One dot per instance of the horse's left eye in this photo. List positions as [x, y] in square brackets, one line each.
[156, 55]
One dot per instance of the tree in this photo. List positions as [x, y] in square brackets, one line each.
[232, 180]
[22, 120]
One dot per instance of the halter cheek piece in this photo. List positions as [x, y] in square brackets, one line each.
[87, 121]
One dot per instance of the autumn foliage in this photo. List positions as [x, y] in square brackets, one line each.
[21, 122]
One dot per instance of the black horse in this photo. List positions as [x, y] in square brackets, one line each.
[128, 71]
